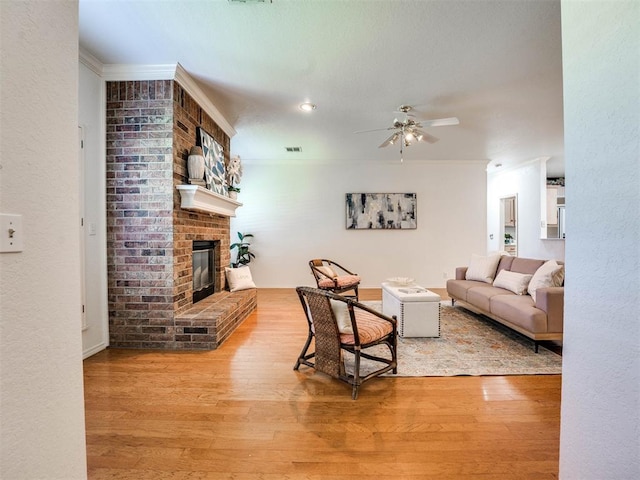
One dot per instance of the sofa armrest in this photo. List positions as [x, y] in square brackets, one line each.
[461, 273]
[551, 301]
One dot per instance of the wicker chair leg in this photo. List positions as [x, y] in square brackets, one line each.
[394, 354]
[303, 354]
[354, 392]
[356, 374]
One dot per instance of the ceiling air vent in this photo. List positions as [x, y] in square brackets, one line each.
[250, 1]
[293, 149]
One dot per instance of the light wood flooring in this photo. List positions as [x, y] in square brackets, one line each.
[242, 412]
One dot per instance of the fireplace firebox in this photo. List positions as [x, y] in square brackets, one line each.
[204, 268]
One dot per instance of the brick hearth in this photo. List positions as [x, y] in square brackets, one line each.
[151, 126]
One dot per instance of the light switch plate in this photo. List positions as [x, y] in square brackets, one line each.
[10, 233]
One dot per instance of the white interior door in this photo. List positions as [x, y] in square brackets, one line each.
[83, 289]
[93, 222]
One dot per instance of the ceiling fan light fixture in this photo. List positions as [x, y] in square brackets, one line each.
[409, 130]
[307, 107]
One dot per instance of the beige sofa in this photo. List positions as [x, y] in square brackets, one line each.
[539, 319]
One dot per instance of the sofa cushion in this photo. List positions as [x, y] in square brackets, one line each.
[550, 274]
[459, 288]
[482, 269]
[512, 281]
[480, 297]
[519, 310]
[505, 263]
[526, 265]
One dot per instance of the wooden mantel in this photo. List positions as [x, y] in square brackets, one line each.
[194, 197]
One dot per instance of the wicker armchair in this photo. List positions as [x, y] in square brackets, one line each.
[340, 324]
[334, 277]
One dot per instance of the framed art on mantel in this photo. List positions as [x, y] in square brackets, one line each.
[214, 169]
[371, 211]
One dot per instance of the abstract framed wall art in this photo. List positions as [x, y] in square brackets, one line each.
[372, 211]
[214, 169]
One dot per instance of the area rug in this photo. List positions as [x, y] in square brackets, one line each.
[469, 344]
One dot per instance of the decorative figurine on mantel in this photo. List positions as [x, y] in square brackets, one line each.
[195, 167]
[234, 174]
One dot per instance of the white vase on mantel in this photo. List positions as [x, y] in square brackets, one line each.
[195, 164]
[233, 195]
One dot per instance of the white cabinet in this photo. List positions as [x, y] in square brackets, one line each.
[555, 210]
[552, 205]
[510, 212]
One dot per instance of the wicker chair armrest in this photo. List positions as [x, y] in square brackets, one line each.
[391, 319]
[340, 267]
[317, 273]
[355, 304]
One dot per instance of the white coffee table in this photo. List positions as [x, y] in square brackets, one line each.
[416, 308]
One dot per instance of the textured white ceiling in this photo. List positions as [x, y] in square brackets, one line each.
[496, 65]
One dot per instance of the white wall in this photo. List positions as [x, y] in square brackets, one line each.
[527, 181]
[41, 393]
[297, 212]
[600, 418]
[91, 117]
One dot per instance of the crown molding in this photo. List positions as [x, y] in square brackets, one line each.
[517, 166]
[91, 62]
[365, 163]
[192, 88]
[125, 72]
[175, 71]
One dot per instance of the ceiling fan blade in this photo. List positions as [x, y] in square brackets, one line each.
[439, 122]
[374, 130]
[389, 141]
[425, 137]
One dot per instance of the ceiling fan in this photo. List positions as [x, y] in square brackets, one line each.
[409, 130]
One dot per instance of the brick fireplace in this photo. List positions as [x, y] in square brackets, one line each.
[151, 126]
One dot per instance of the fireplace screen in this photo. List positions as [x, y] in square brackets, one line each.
[204, 269]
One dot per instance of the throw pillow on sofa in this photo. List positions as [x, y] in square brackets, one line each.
[513, 281]
[481, 268]
[550, 274]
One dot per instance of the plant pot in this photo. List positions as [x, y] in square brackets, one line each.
[233, 195]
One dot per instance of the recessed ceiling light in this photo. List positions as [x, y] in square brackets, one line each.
[307, 107]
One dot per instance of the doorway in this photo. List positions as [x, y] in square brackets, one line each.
[509, 224]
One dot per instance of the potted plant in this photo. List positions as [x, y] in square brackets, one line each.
[243, 256]
[233, 191]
